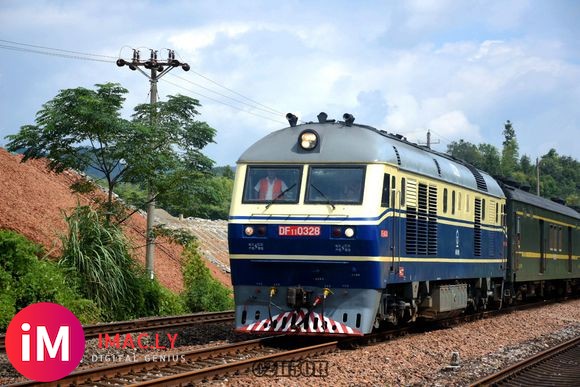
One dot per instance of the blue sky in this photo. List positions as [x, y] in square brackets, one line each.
[458, 68]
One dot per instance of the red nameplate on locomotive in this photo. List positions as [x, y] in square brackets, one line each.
[298, 230]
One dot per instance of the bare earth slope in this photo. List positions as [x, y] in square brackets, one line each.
[33, 202]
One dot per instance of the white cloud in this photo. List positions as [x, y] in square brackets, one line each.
[455, 125]
[195, 39]
[460, 69]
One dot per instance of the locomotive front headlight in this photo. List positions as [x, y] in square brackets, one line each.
[308, 140]
[249, 230]
[349, 232]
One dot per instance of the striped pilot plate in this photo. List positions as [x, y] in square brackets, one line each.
[283, 324]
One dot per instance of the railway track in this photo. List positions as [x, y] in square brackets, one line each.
[92, 331]
[195, 365]
[178, 368]
[557, 366]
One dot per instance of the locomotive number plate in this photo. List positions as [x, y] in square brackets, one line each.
[298, 230]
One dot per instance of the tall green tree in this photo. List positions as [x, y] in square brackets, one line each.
[509, 153]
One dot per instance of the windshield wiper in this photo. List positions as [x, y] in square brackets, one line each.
[279, 195]
[328, 201]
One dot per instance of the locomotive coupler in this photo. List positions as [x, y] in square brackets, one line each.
[298, 298]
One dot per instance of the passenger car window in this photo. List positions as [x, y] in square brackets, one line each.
[335, 185]
[276, 184]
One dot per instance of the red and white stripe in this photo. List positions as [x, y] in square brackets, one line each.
[332, 327]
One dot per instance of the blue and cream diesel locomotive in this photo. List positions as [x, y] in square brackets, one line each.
[336, 228]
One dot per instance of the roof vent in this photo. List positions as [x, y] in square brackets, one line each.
[479, 180]
[438, 167]
[558, 200]
[398, 156]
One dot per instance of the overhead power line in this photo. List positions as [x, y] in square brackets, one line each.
[57, 49]
[79, 55]
[257, 106]
[235, 92]
[69, 56]
[222, 102]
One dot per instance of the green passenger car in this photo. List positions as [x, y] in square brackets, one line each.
[543, 245]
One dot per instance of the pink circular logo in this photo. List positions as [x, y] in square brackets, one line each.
[45, 342]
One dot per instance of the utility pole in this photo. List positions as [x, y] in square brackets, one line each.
[537, 176]
[157, 68]
[429, 141]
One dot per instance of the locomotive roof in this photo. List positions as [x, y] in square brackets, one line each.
[538, 201]
[340, 143]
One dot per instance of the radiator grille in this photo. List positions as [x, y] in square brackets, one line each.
[421, 229]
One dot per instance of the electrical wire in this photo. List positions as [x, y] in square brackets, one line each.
[78, 55]
[442, 137]
[268, 110]
[222, 102]
[233, 91]
[57, 49]
[22, 49]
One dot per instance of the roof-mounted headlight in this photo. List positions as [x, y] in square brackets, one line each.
[308, 139]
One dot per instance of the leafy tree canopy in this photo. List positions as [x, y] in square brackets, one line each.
[559, 175]
[159, 147]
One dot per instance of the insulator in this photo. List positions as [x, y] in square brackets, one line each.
[121, 62]
[185, 67]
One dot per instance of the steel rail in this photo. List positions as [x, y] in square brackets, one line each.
[93, 330]
[242, 365]
[563, 373]
[117, 371]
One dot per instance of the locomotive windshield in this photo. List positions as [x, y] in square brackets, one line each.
[269, 184]
[335, 185]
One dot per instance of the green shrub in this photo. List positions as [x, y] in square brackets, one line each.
[202, 291]
[25, 279]
[7, 299]
[86, 311]
[17, 253]
[159, 301]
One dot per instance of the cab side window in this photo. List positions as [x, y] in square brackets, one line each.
[386, 190]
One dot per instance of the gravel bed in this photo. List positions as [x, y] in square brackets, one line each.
[484, 346]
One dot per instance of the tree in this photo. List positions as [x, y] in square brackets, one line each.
[466, 151]
[81, 128]
[209, 198]
[490, 159]
[526, 165]
[509, 154]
